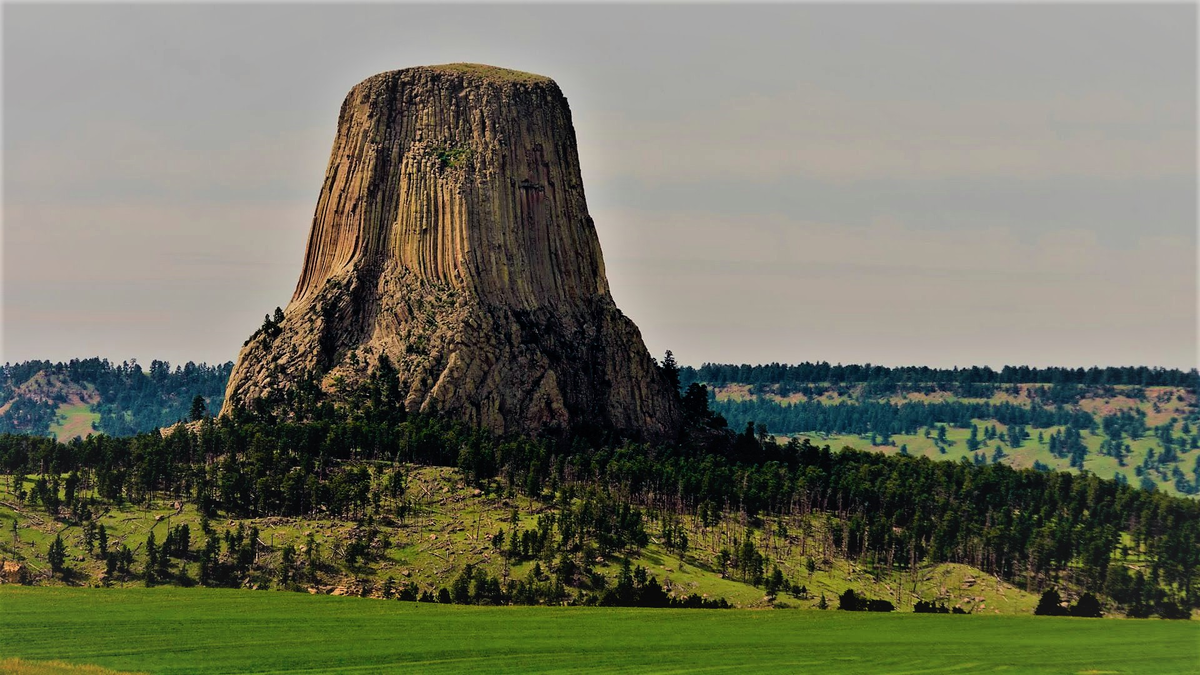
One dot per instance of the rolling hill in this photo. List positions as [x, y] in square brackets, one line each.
[79, 397]
[1146, 435]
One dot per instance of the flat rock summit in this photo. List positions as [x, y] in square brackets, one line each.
[452, 235]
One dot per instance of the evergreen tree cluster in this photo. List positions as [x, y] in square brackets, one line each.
[132, 400]
[824, 373]
[885, 419]
[927, 607]
[27, 415]
[850, 601]
[318, 455]
[1051, 604]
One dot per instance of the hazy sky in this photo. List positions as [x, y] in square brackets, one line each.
[940, 185]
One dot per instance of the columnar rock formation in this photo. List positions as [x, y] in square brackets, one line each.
[452, 234]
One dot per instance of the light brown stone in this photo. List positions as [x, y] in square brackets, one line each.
[452, 234]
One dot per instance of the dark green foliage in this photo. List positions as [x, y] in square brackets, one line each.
[451, 156]
[310, 454]
[824, 373]
[287, 566]
[132, 400]
[1087, 606]
[696, 409]
[850, 601]
[28, 416]
[748, 561]
[118, 564]
[46, 493]
[56, 555]
[670, 371]
[1038, 522]
[925, 607]
[634, 588]
[474, 586]
[1050, 604]
[177, 543]
[1069, 444]
[1171, 610]
[270, 327]
[886, 418]
[154, 565]
[89, 536]
[199, 409]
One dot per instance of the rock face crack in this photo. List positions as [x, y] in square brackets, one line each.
[452, 234]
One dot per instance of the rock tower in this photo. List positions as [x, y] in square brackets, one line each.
[452, 234]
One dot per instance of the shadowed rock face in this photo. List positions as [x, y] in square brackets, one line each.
[452, 234]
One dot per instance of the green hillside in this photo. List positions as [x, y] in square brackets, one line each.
[1148, 436]
[348, 493]
[81, 397]
[449, 525]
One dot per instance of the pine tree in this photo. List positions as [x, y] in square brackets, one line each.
[1050, 604]
[102, 541]
[89, 536]
[1087, 606]
[199, 408]
[849, 601]
[670, 370]
[110, 568]
[152, 554]
[57, 555]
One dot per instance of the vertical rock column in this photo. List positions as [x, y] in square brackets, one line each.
[452, 234]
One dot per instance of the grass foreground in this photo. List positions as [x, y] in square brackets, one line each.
[173, 630]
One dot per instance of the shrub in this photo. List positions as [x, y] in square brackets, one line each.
[1050, 604]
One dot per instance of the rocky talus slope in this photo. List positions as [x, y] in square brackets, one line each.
[452, 234]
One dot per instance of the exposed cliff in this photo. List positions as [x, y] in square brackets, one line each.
[452, 234]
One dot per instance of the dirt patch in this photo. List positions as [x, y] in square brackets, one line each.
[20, 667]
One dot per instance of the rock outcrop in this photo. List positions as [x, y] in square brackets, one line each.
[452, 234]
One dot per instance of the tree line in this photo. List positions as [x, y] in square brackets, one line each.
[132, 400]
[823, 372]
[315, 454]
[886, 419]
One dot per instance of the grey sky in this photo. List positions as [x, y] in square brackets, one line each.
[939, 185]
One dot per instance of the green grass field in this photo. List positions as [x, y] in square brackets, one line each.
[170, 630]
[74, 419]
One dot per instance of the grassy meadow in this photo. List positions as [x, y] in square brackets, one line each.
[1161, 405]
[172, 630]
[74, 419]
